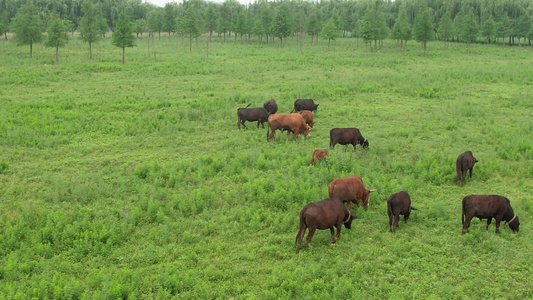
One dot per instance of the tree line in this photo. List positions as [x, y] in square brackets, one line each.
[490, 21]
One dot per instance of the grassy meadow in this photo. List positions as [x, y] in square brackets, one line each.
[132, 181]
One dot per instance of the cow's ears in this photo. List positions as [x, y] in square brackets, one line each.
[370, 191]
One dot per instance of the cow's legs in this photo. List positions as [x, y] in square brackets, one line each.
[498, 225]
[310, 235]
[299, 238]
[332, 233]
[396, 219]
[458, 177]
[470, 171]
[463, 177]
[288, 134]
[405, 218]
[272, 135]
[466, 224]
[348, 204]
[488, 223]
[335, 238]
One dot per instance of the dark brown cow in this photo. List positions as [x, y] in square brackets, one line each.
[258, 114]
[290, 122]
[398, 204]
[465, 162]
[323, 214]
[346, 136]
[488, 207]
[305, 104]
[271, 106]
[350, 189]
[319, 154]
[308, 117]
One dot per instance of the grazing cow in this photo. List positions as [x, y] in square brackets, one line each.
[323, 214]
[345, 136]
[465, 162]
[271, 106]
[258, 114]
[488, 207]
[398, 204]
[291, 122]
[319, 154]
[350, 189]
[305, 104]
[308, 117]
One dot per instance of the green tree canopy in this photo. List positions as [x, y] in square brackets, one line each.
[470, 28]
[445, 28]
[27, 26]
[330, 30]
[314, 23]
[123, 35]
[281, 27]
[89, 28]
[191, 27]
[423, 27]
[488, 29]
[169, 19]
[57, 35]
[139, 27]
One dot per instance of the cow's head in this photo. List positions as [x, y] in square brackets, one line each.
[514, 223]
[365, 143]
[348, 221]
[475, 160]
[306, 132]
[366, 199]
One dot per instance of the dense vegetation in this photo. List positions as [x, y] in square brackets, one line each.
[133, 181]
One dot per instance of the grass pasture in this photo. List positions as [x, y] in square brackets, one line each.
[132, 181]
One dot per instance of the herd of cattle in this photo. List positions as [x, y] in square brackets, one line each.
[331, 212]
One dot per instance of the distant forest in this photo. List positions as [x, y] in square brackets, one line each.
[505, 21]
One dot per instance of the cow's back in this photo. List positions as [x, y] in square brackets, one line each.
[485, 206]
[324, 214]
[346, 187]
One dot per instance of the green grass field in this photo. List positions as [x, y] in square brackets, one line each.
[133, 181]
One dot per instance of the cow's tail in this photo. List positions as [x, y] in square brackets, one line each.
[301, 231]
[248, 105]
[463, 213]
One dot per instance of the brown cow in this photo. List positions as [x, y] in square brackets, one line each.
[323, 214]
[465, 162]
[488, 207]
[398, 204]
[346, 136]
[308, 117]
[350, 189]
[319, 154]
[291, 122]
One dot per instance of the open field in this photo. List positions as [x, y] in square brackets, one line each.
[133, 181]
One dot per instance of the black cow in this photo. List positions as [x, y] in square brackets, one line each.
[258, 114]
[346, 136]
[398, 204]
[465, 162]
[488, 207]
[323, 214]
[304, 104]
[271, 106]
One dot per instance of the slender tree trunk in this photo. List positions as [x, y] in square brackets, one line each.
[397, 43]
[90, 50]
[31, 50]
[123, 54]
[424, 48]
[57, 53]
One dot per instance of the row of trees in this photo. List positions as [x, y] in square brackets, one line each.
[371, 20]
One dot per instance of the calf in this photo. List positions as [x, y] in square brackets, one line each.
[346, 136]
[304, 104]
[323, 214]
[271, 106]
[465, 162]
[488, 207]
[398, 204]
[258, 114]
[308, 117]
[319, 154]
